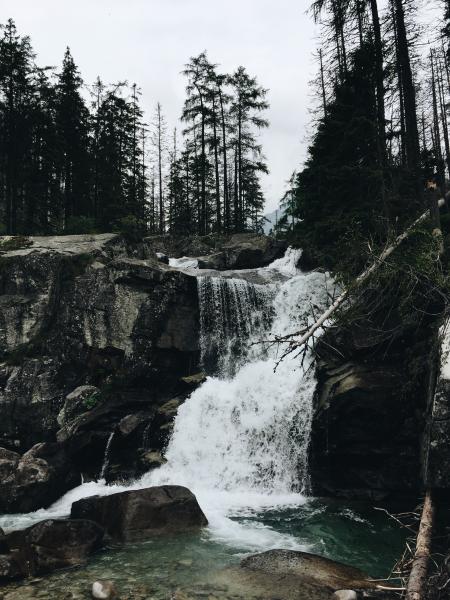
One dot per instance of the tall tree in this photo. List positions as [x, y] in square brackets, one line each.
[72, 125]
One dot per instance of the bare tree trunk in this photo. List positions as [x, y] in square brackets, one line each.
[161, 199]
[409, 96]
[216, 166]
[226, 196]
[415, 589]
[322, 81]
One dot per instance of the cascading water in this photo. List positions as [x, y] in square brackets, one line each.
[247, 430]
[240, 442]
[106, 456]
[233, 312]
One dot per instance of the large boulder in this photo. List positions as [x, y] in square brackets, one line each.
[251, 251]
[36, 479]
[48, 545]
[139, 514]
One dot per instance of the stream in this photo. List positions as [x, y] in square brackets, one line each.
[240, 443]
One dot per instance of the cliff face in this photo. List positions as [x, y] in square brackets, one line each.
[89, 310]
[99, 345]
[371, 414]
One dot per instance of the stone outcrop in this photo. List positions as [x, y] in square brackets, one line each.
[47, 546]
[239, 251]
[140, 514]
[370, 406]
[92, 329]
[36, 479]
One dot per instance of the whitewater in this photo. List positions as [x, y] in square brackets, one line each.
[240, 441]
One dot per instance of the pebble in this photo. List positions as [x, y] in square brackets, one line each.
[104, 590]
[345, 595]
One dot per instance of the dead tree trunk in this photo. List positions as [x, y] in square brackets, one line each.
[415, 590]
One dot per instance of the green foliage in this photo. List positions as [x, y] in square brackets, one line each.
[17, 242]
[80, 224]
[92, 401]
[131, 227]
[337, 198]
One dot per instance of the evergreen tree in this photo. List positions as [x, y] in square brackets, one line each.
[340, 188]
[72, 126]
[16, 93]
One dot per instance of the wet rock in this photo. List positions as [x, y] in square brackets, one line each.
[169, 409]
[364, 432]
[76, 313]
[36, 479]
[104, 590]
[217, 261]
[22, 593]
[77, 402]
[153, 459]
[195, 380]
[251, 251]
[345, 595]
[9, 568]
[52, 544]
[139, 514]
[308, 568]
[162, 258]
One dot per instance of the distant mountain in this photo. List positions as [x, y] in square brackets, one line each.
[272, 218]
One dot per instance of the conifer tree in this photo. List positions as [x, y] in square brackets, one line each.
[72, 126]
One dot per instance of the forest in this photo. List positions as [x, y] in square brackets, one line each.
[379, 153]
[82, 159]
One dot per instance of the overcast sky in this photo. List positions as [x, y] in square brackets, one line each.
[148, 42]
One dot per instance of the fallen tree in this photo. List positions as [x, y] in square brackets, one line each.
[306, 334]
[415, 589]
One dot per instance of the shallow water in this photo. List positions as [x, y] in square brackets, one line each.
[240, 443]
[194, 564]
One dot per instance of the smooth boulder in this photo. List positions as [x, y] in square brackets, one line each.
[307, 568]
[136, 515]
[48, 545]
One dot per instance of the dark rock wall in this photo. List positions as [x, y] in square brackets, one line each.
[370, 412]
[85, 310]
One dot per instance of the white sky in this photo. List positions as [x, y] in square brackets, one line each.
[148, 42]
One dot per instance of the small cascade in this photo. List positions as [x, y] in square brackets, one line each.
[232, 312]
[146, 435]
[106, 456]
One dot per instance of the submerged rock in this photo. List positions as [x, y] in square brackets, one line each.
[139, 514]
[49, 545]
[308, 568]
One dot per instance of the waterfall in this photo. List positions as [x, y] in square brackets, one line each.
[240, 441]
[233, 312]
[106, 456]
[247, 429]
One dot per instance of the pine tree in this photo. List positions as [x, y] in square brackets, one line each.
[72, 125]
[248, 101]
[16, 91]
